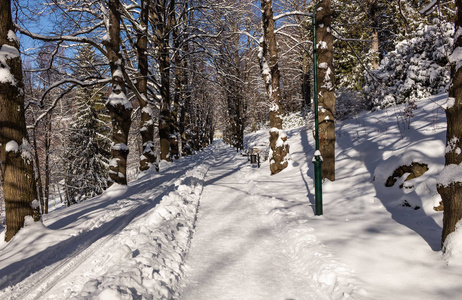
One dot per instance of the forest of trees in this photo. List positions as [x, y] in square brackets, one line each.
[100, 90]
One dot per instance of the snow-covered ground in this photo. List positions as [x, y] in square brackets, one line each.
[256, 236]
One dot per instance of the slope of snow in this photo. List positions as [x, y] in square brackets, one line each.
[127, 243]
[257, 236]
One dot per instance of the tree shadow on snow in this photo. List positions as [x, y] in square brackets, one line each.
[309, 153]
[60, 254]
[415, 219]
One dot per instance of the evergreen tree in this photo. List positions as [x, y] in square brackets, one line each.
[88, 151]
[365, 31]
[415, 69]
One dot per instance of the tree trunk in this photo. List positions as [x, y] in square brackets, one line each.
[373, 15]
[47, 164]
[148, 156]
[178, 94]
[162, 25]
[15, 151]
[118, 105]
[270, 71]
[38, 173]
[326, 100]
[449, 189]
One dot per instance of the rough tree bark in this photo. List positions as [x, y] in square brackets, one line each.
[326, 80]
[148, 156]
[118, 105]
[270, 71]
[16, 156]
[162, 22]
[450, 183]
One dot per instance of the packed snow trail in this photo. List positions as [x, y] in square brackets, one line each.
[127, 243]
[235, 251]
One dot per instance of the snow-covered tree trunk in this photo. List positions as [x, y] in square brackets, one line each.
[373, 15]
[178, 98]
[270, 71]
[148, 156]
[15, 151]
[450, 180]
[118, 104]
[326, 95]
[162, 21]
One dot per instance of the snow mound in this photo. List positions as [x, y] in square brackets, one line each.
[148, 263]
[452, 249]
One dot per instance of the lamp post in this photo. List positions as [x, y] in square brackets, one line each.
[317, 159]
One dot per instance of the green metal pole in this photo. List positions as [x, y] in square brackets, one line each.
[317, 159]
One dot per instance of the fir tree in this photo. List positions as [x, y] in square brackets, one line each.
[88, 153]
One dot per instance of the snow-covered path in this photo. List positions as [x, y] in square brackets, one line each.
[235, 252]
[254, 236]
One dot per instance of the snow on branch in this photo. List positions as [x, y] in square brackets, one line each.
[292, 13]
[69, 38]
[248, 35]
[429, 8]
[74, 82]
[286, 26]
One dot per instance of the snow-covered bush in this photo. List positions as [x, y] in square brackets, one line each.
[293, 120]
[348, 103]
[417, 68]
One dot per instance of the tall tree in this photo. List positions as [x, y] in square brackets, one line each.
[15, 151]
[269, 64]
[87, 155]
[326, 88]
[118, 105]
[148, 156]
[450, 181]
[162, 21]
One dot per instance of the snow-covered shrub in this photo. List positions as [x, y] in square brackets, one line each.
[417, 68]
[293, 120]
[348, 103]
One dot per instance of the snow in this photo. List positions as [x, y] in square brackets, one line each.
[11, 36]
[6, 76]
[450, 174]
[456, 57]
[114, 162]
[322, 45]
[118, 73]
[453, 247]
[119, 147]
[12, 146]
[25, 149]
[147, 109]
[119, 99]
[7, 52]
[35, 204]
[106, 38]
[450, 103]
[274, 107]
[323, 65]
[212, 226]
